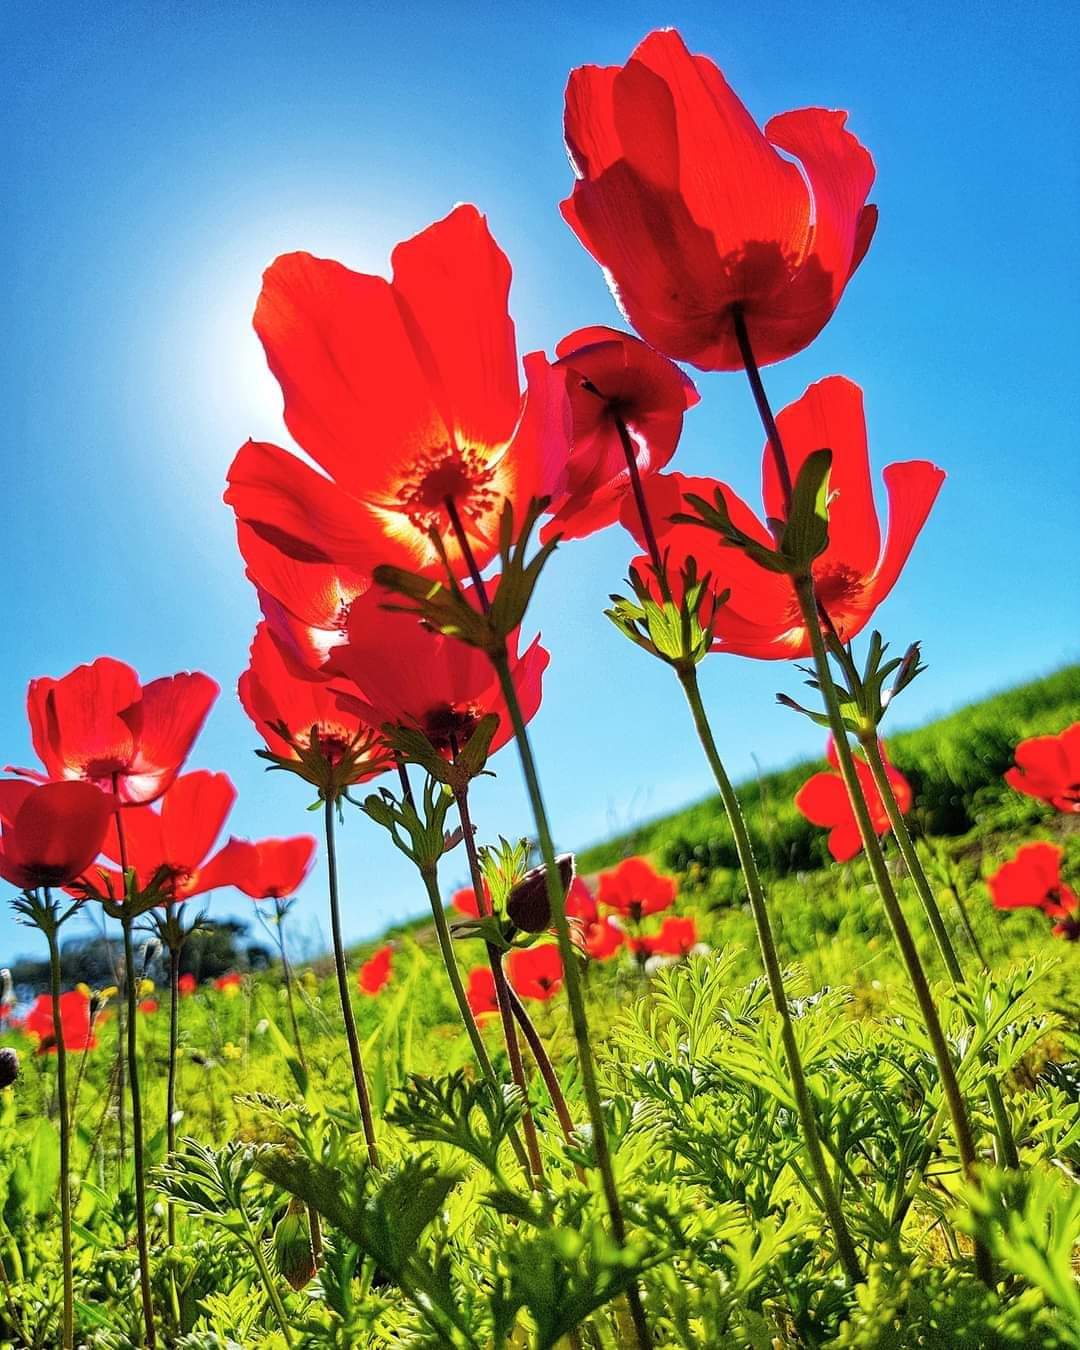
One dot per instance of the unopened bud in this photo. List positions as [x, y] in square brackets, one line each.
[528, 905]
[9, 1066]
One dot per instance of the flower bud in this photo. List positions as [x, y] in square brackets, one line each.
[528, 905]
[9, 1067]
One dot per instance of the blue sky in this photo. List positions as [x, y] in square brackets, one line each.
[159, 156]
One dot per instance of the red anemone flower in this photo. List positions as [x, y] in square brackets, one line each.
[612, 379]
[232, 979]
[186, 984]
[409, 676]
[76, 1028]
[854, 574]
[149, 1005]
[179, 836]
[1048, 767]
[580, 902]
[270, 869]
[375, 972]
[824, 801]
[51, 832]
[98, 723]
[693, 213]
[634, 888]
[1032, 880]
[602, 938]
[288, 709]
[535, 972]
[407, 394]
[677, 937]
[464, 901]
[481, 991]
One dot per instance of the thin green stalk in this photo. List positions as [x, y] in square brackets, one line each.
[286, 970]
[502, 995]
[131, 981]
[68, 1339]
[965, 919]
[170, 1089]
[572, 978]
[830, 1200]
[353, 1039]
[804, 588]
[543, 1063]
[255, 1246]
[872, 751]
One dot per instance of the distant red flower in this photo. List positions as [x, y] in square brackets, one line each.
[602, 938]
[612, 378]
[580, 902]
[464, 901]
[232, 979]
[855, 573]
[75, 1025]
[635, 889]
[375, 972]
[149, 1005]
[692, 212]
[409, 676]
[51, 832]
[1048, 767]
[179, 835]
[1032, 880]
[99, 724]
[481, 991]
[824, 801]
[407, 394]
[288, 709]
[186, 984]
[535, 972]
[677, 937]
[270, 869]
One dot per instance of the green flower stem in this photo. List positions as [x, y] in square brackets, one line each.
[804, 588]
[502, 995]
[544, 1064]
[572, 976]
[355, 1057]
[256, 1249]
[68, 1338]
[286, 971]
[829, 1198]
[872, 751]
[132, 992]
[131, 982]
[170, 1087]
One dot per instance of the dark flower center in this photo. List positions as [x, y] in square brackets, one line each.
[449, 726]
[447, 471]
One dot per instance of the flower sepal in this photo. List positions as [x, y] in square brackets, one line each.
[863, 697]
[411, 746]
[801, 538]
[423, 838]
[133, 900]
[679, 633]
[364, 757]
[447, 608]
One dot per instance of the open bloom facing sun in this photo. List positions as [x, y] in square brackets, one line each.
[51, 831]
[855, 572]
[295, 715]
[694, 213]
[407, 394]
[174, 842]
[99, 724]
[1048, 767]
[617, 388]
[634, 889]
[824, 801]
[404, 674]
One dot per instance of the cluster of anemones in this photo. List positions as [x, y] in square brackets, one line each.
[1047, 768]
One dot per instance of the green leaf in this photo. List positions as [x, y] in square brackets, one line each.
[806, 535]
